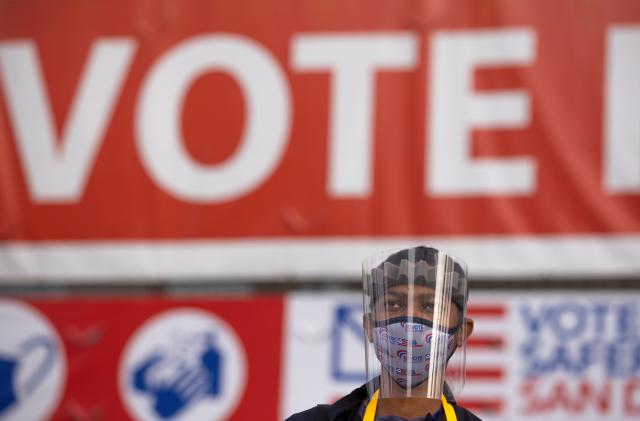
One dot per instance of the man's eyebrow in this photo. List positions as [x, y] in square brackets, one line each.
[396, 293]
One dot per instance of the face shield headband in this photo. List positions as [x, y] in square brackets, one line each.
[389, 275]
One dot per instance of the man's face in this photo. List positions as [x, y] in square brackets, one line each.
[400, 302]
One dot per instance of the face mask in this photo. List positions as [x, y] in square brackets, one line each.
[394, 338]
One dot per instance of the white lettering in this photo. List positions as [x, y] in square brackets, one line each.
[455, 110]
[58, 171]
[266, 130]
[621, 169]
[353, 61]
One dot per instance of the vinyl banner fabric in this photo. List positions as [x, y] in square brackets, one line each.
[531, 357]
[178, 140]
[140, 359]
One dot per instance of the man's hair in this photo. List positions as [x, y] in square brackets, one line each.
[421, 253]
[420, 263]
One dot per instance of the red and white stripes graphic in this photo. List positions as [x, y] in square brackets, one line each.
[486, 371]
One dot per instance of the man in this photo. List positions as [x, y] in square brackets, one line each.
[414, 321]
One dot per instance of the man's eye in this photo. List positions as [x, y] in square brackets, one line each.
[394, 305]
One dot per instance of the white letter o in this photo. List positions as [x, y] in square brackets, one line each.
[265, 134]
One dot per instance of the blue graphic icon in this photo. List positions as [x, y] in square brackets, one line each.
[347, 321]
[175, 381]
[9, 367]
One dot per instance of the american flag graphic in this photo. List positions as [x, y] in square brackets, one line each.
[486, 369]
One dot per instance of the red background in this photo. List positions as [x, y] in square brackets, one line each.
[565, 84]
[95, 331]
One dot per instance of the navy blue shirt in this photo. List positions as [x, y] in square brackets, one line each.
[427, 417]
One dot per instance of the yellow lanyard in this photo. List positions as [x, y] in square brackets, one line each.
[370, 412]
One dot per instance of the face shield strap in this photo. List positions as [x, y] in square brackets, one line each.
[421, 272]
[408, 319]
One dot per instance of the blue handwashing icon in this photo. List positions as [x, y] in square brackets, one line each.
[7, 375]
[9, 365]
[174, 381]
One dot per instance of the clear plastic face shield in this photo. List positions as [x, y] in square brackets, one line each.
[414, 320]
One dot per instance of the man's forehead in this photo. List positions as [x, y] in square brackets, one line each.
[406, 289]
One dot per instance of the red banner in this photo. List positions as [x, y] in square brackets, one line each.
[220, 121]
[532, 356]
[141, 358]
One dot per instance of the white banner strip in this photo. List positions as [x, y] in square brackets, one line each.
[260, 259]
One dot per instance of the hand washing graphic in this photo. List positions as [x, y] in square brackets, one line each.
[177, 379]
[32, 363]
[10, 390]
[183, 364]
